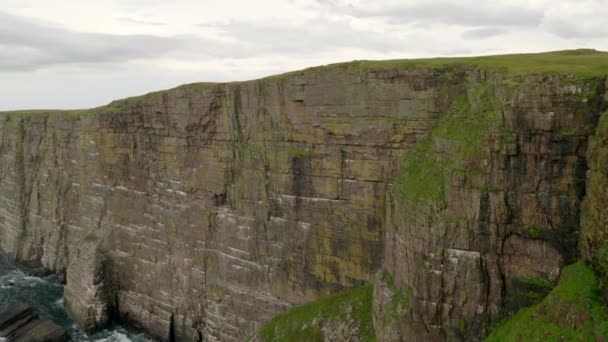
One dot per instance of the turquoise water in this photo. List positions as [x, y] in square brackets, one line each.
[46, 294]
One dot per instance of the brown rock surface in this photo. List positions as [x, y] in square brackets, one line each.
[19, 323]
[203, 211]
[213, 206]
[505, 211]
[594, 210]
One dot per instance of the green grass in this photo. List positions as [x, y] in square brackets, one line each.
[529, 291]
[300, 153]
[157, 95]
[571, 312]
[422, 177]
[91, 236]
[531, 231]
[400, 299]
[47, 112]
[582, 63]
[538, 282]
[602, 257]
[255, 149]
[61, 113]
[455, 139]
[297, 324]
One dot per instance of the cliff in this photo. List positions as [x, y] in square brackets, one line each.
[453, 186]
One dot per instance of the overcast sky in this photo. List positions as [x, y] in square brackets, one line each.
[78, 53]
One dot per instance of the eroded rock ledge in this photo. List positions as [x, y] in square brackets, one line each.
[19, 323]
[201, 212]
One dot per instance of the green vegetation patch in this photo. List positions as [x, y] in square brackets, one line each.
[537, 282]
[157, 96]
[247, 148]
[531, 231]
[571, 312]
[50, 113]
[528, 291]
[91, 236]
[602, 258]
[600, 263]
[302, 323]
[456, 139]
[297, 153]
[400, 299]
[581, 63]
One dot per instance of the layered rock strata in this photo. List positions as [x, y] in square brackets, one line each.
[201, 212]
[19, 323]
[488, 206]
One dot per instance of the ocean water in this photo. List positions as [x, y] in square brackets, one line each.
[46, 294]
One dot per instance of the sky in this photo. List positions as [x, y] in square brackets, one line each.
[80, 54]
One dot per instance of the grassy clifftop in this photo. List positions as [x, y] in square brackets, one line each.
[581, 63]
[571, 312]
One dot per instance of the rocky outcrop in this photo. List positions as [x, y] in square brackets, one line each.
[201, 212]
[215, 206]
[594, 221]
[344, 317]
[19, 323]
[570, 312]
[488, 205]
[86, 293]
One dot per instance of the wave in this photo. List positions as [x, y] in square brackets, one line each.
[46, 295]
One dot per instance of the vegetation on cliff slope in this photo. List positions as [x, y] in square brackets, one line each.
[594, 219]
[306, 322]
[447, 150]
[571, 312]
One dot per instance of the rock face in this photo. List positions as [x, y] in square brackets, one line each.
[341, 317]
[19, 323]
[201, 212]
[572, 311]
[500, 208]
[594, 221]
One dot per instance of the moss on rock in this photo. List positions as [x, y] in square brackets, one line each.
[454, 140]
[311, 321]
[572, 311]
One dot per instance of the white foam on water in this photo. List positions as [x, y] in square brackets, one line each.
[115, 336]
[21, 284]
[34, 279]
[13, 275]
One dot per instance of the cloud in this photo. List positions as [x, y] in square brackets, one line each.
[450, 52]
[46, 65]
[465, 13]
[135, 21]
[312, 36]
[328, 3]
[587, 19]
[29, 44]
[484, 32]
[26, 44]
